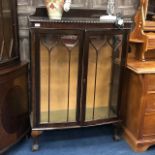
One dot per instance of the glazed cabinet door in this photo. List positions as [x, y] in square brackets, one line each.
[8, 31]
[56, 64]
[101, 79]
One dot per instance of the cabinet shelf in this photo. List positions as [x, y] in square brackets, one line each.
[57, 116]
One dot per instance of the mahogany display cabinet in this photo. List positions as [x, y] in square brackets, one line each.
[77, 65]
[14, 109]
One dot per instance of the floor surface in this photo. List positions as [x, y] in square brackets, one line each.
[85, 141]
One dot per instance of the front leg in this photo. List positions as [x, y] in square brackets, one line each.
[35, 135]
[118, 131]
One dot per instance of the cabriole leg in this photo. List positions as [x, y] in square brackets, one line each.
[35, 135]
[118, 132]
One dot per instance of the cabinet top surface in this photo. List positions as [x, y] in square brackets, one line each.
[141, 67]
[80, 17]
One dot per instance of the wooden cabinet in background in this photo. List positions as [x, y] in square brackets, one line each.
[14, 110]
[9, 44]
[139, 104]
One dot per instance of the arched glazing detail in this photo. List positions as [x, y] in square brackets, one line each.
[59, 56]
[104, 56]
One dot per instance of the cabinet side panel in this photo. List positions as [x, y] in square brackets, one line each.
[132, 102]
[14, 113]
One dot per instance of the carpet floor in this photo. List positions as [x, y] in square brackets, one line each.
[84, 141]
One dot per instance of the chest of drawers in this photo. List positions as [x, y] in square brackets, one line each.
[139, 105]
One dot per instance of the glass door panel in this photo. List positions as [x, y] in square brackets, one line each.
[59, 60]
[101, 72]
[1, 33]
[6, 53]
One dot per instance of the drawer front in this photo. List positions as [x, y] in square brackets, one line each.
[151, 44]
[151, 82]
[150, 103]
[149, 124]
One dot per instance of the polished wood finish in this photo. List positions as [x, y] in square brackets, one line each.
[36, 133]
[92, 56]
[141, 67]
[143, 34]
[14, 109]
[139, 106]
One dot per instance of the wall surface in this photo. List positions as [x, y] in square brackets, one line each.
[27, 7]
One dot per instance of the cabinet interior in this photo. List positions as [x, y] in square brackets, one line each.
[59, 65]
[59, 77]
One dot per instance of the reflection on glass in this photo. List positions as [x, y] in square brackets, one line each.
[7, 29]
[59, 73]
[117, 54]
[1, 36]
[101, 84]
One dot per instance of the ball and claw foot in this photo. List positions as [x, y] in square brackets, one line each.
[35, 135]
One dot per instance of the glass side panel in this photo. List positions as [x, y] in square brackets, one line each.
[59, 57]
[1, 34]
[117, 54]
[101, 72]
[7, 30]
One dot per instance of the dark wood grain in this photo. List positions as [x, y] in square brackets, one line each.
[14, 100]
[14, 109]
[89, 27]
